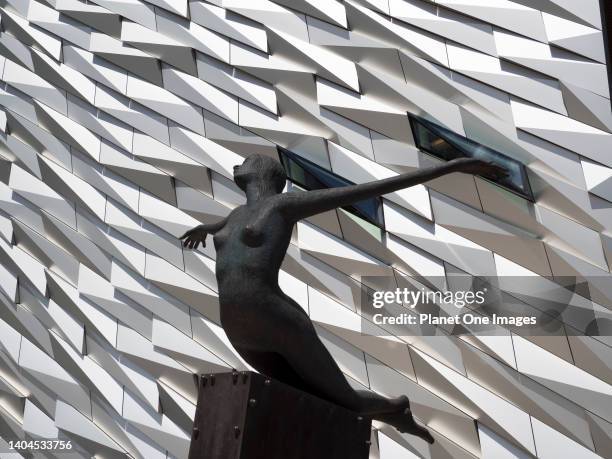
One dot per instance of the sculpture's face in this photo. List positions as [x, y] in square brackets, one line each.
[268, 172]
[243, 174]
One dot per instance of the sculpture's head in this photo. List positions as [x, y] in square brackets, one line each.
[262, 171]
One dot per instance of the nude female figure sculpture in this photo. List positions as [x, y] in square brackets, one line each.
[269, 329]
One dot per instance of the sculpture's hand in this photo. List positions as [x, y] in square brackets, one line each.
[194, 237]
[479, 167]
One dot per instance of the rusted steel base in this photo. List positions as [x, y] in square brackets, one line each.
[247, 416]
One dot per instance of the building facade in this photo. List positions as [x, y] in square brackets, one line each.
[120, 123]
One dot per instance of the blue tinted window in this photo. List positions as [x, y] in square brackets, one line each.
[311, 176]
[447, 145]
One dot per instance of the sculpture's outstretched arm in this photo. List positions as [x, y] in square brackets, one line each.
[196, 236]
[305, 204]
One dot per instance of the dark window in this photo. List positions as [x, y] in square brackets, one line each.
[311, 176]
[445, 144]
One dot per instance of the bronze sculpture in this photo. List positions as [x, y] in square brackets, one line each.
[266, 327]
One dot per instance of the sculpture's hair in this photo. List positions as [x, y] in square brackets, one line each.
[270, 171]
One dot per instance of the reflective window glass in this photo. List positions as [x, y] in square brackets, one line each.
[311, 176]
[445, 144]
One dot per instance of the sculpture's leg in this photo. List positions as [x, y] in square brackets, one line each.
[312, 363]
[317, 368]
[275, 366]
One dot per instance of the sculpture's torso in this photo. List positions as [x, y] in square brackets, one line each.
[247, 276]
[260, 263]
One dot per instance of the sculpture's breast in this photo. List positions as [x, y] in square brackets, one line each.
[220, 238]
[234, 221]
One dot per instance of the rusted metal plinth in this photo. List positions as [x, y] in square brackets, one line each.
[247, 416]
